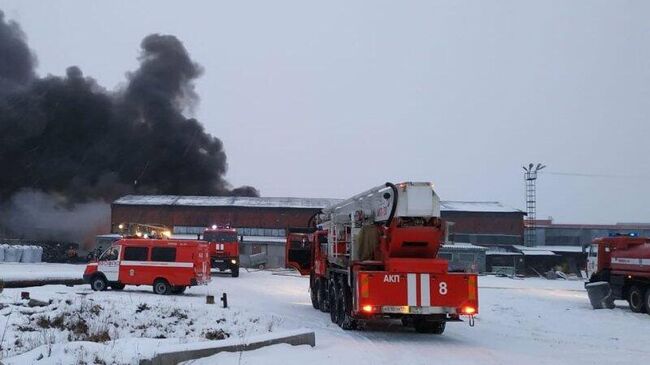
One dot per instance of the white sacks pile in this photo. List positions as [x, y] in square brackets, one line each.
[18, 253]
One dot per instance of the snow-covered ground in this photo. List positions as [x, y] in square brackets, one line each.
[41, 271]
[531, 321]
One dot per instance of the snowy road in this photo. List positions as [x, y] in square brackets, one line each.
[531, 321]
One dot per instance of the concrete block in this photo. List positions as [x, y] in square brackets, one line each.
[174, 357]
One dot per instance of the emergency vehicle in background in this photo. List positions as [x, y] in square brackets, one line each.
[224, 248]
[623, 261]
[170, 266]
[375, 256]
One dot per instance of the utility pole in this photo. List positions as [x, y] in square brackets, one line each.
[530, 229]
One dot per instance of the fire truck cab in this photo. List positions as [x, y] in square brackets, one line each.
[623, 261]
[170, 266]
[224, 248]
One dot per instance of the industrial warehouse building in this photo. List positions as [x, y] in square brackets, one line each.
[262, 223]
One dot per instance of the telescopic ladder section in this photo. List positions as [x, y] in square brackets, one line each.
[380, 204]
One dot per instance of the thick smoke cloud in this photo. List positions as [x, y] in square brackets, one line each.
[71, 138]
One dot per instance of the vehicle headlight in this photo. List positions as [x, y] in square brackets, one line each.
[233, 261]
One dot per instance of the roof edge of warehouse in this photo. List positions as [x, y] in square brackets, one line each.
[225, 201]
[290, 202]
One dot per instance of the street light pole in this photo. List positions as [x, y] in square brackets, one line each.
[530, 229]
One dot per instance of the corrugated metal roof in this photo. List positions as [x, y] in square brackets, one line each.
[286, 202]
[464, 206]
[225, 201]
[463, 246]
[556, 249]
[538, 253]
[503, 253]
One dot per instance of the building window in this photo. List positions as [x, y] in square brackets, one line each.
[136, 253]
[188, 230]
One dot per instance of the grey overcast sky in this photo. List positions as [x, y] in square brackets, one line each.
[327, 99]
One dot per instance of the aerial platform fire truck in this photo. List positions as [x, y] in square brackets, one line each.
[224, 248]
[623, 261]
[375, 256]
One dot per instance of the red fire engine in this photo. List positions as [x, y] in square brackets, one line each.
[374, 256]
[224, 248]
[169, 265]
[624, 262]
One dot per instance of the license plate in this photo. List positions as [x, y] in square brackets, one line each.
[404, 309]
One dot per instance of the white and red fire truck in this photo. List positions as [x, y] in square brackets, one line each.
[169, 266]
[375, 256]
[224, 248]
[623, 261]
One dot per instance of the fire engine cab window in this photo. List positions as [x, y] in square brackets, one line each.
[167, 254]
[110, 254]
[136, 253]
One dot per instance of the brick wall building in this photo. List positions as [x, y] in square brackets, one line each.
[262, 222]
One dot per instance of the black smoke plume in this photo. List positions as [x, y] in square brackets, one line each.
[76, 142]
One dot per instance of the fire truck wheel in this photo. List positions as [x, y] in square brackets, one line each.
[323, 295]
[332, 301]
[423, 326]
[313, 293]
[636, 300]
[178, 289]
[344, 307]
[117, 286]
[234, 272]
[98, 283]
[162, 287]
[406, 321]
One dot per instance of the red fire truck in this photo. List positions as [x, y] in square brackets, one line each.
[624, 262]
[224, 248]
[375, 256]
[168, 265]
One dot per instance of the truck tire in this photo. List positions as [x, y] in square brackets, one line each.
[234, 271]
[117, 286]
[98, 283]
[161, 287]
[424, 326]
[344, 307]
[333, 301]
[313, 293]
[647, 300]
[636, 300]
[323, 303]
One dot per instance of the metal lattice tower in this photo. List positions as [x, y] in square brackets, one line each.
[530, 177]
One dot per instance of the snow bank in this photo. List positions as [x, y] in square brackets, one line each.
[78, 314]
